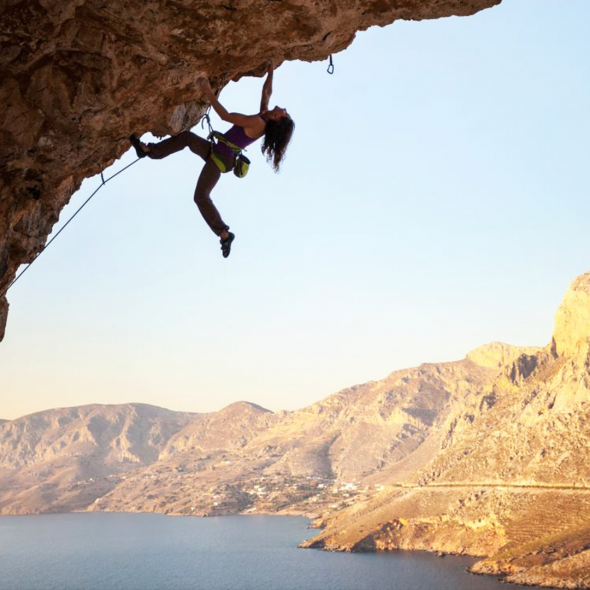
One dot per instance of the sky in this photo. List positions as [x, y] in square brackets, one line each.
[434, 199]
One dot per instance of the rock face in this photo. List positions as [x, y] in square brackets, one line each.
[572, 321]
[486, 456]
[78, 76]
[509, 480]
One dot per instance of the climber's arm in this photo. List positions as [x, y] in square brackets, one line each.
[266, 90]
[234, 118]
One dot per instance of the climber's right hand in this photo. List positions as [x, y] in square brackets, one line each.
[204, 85]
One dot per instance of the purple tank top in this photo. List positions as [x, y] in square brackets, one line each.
[236, 135]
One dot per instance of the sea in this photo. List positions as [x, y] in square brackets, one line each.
[102, 551]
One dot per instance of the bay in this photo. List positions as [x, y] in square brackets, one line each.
[101, 551]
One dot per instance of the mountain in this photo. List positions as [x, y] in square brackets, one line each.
[357, 440]
[63, 459]
[327, 454]
[486, 456]
[510, 480]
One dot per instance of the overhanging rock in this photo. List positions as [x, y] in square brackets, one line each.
[79, 75]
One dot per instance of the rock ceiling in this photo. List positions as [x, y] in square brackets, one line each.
[79, 75]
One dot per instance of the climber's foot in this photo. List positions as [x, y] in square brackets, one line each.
[226, 244]
[140, 149]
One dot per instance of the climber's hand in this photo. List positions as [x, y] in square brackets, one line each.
[204, 85]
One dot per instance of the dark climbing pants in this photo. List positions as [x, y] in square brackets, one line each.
[207, 179]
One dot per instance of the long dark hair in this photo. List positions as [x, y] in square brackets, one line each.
[277, 136]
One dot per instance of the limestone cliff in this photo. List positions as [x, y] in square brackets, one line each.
[79, 75]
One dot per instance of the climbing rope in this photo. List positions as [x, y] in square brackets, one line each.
[330, 69]
[103, 182]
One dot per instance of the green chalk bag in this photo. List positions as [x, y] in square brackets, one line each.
[241, 166]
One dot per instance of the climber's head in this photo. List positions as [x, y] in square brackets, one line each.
[275, 114]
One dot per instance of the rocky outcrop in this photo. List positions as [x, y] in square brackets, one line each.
[561, 560]
[79, 75]
[572, 320]
[509, 480]
[497, 355]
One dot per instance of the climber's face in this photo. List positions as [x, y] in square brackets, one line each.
[276, 113]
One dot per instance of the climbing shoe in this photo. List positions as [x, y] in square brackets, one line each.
[137, 145]
[226, 244]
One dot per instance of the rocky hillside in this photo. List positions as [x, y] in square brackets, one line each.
[511, 478]
[487, 456]
[327, 455]
[144, 458]
[134, 433]
[78, 76]
[62, 459]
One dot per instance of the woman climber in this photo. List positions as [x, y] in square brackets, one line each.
[275, 125]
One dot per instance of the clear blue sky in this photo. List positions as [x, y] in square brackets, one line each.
[435, 197]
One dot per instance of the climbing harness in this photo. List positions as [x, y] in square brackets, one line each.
[241, 165]
[103, 182]
[330, 69]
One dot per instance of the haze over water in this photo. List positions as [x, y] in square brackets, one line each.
[155, 552]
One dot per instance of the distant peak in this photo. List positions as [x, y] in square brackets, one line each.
[244, 406]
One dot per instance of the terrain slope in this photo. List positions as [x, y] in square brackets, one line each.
[511, 478]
